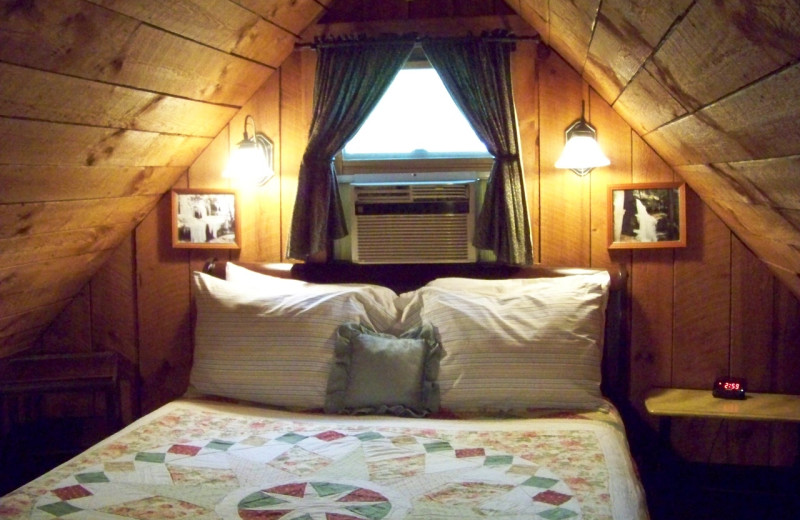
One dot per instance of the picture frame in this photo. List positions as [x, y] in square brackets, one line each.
[205, 219]
[647, 215]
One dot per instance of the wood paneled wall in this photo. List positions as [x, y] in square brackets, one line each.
[695, 313]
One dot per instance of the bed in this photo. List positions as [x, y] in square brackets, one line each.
[375, 392]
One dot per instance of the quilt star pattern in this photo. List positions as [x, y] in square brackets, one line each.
[201, 464]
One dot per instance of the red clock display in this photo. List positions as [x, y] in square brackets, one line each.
[729, 388]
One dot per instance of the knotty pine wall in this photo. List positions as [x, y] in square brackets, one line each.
[694, 313]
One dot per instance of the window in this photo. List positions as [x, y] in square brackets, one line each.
[416, 127]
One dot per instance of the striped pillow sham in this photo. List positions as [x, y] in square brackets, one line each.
[539, 346]
[273, 347]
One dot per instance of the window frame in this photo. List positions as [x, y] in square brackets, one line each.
[429, 163]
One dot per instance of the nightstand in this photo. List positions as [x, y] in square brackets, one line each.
[702, 490]
[31, 443]
[666, 403]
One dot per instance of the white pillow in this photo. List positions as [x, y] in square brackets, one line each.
[377, 300]
[572, 281]
[535, 346]
[274, 347]
[238, 274]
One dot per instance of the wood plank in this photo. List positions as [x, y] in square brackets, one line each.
[719, 133]
[752, 293]
[207, 169]
[429, 27]
[10, 345]
[701, 318]
[719, 48]
[702, 298]
[571, 27]
[292, 15]
[71, 330]
[39, 296]
[359, 11]
[25, 142]
[35, 94]
[758, 225]
[163, 306]
[37, 248]
[34, 318]
[536, 13]
[651, 291]
[524, 77]
[637, 29]
[646, 105]
[261, 206]
[684, 402]
[48, 275]
[565, 197]
[297, 95]
[222, 25]
[18, 220]
[768, 182]
[792, 216]
[114, 315]
[787, 366]
[34, 183]
[614, 136]
[80, 39]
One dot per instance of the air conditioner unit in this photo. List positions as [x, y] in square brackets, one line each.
[413, 223]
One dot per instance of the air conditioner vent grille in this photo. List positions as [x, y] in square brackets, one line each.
[413, 238]
[413, 223]
[411, 193]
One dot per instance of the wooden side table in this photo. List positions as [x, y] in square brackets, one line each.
[30, 444]
[685, 489]
[54, 373]
[666, 403]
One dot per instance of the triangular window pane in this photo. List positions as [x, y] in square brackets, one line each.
[415, 118]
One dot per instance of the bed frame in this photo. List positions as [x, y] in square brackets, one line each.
[407, 277]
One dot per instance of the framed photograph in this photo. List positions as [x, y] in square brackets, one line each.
[647, 215]
[205, 219]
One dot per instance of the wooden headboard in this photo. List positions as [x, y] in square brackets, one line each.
[407, 277]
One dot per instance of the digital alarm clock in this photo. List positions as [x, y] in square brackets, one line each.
[728, 387]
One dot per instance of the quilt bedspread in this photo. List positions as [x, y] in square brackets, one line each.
[202, 460]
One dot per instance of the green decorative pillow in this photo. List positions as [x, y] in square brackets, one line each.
[375, 373]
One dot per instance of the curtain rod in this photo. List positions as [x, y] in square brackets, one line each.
[342, 41]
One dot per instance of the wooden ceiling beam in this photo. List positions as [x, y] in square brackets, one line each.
[722, 133]
[77, 38]
[33, 218]
[292, 15]
[43, 183]
[34, 94]
[38, 143]
[225, 26]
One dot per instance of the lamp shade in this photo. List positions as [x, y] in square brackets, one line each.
[581, 152]
[251, 161]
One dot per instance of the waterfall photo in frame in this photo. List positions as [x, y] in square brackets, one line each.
[205, 219]
[647, 215]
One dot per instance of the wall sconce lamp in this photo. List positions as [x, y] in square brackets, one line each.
[581, 152]
[251, 161]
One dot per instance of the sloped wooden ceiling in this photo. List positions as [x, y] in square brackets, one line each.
[712, 86]
[104, 103]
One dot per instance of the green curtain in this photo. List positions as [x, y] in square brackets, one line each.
[351, 79]
[477, 73]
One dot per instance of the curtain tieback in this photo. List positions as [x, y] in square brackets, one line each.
[507, 157]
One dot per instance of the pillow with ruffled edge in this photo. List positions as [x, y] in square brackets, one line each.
[376, 373]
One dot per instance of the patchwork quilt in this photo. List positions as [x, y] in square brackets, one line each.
[205, 460]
